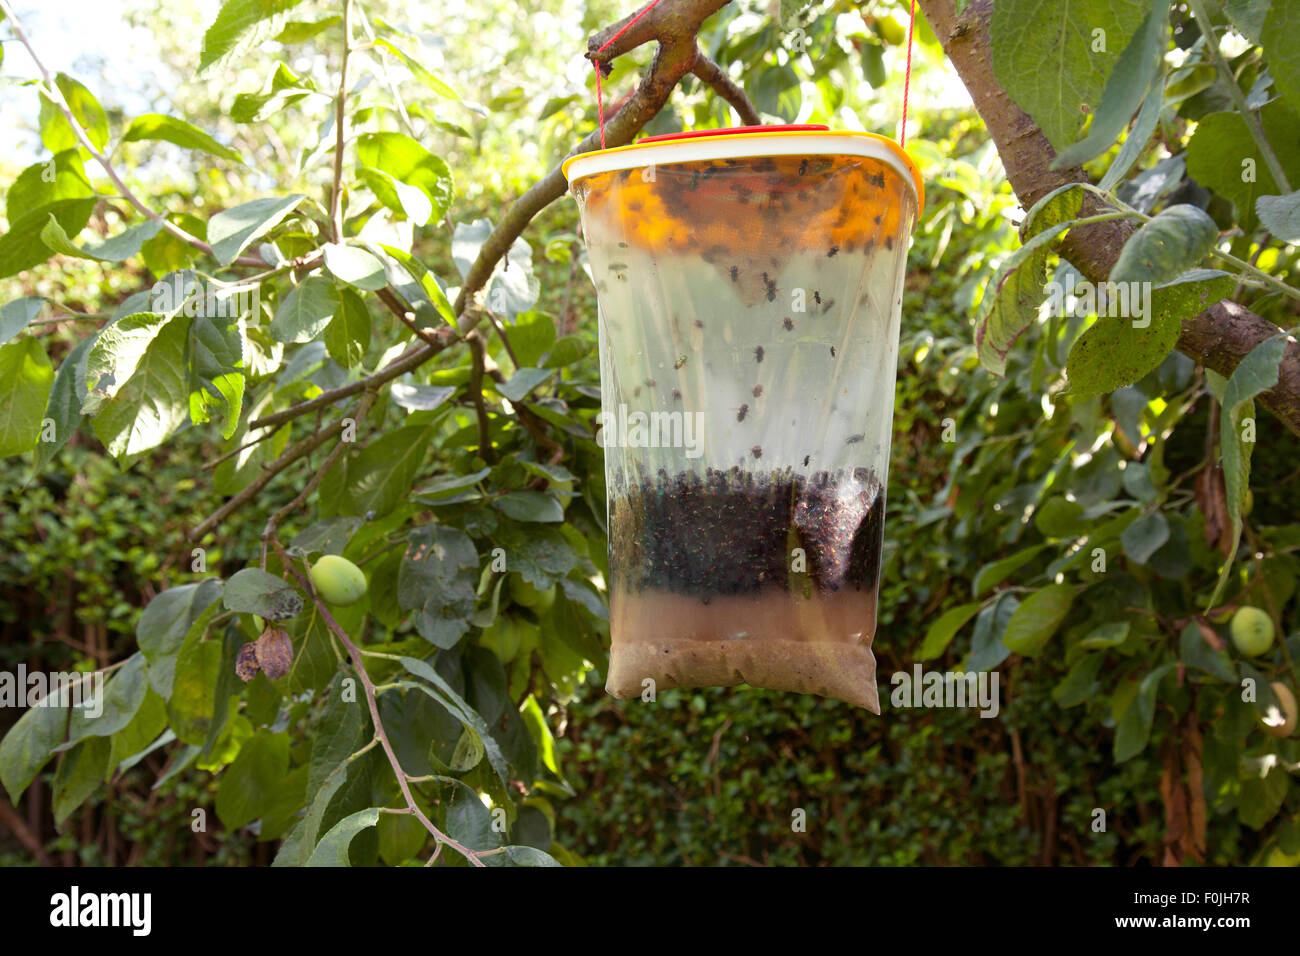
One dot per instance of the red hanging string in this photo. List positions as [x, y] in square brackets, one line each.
[600, 102]
[600, 99]
[907, 77]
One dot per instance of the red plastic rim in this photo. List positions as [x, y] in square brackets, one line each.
[733, 130]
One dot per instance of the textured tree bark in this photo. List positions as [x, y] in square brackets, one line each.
[1218, 338]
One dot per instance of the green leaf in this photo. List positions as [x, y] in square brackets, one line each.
[281, 90]
[1115, 352]
[428, 285]
[523, 382]
[343, 730]
[1080, 684]
[305, 311]
[62, 177]
[1145, 536]
[1281, 41]
[249, 786]
[299, 30]
[439, 579]
[570, 349]
[1222, 156]
[347, 337]
[1281, 215]
[143, 410]
[529, 856]
[231, 231]
[380, 477]
[408, 201]
[56, 133]
[240, 25]
[1195, 651]
[986, 648]
[216, 386]
[18, 314]
[996, 572]
[1136, 141]
[408, 162]
[1135, 74]
[29, 745]
[64, 406]
[425, 76]
[468, 821]
[422, 398]
[253, 591]
[192, 706]
[169, 129]
[21, 247]
[80, 774]
[167, 620]
[114, 249]
[354, 266]
[1056, 208]
[124, 693]
[1046, 55]
[1262, 793]
[530, 506]
[26, 377]
[1162, 249]
[941, 632]
[1037, 618]
[1012, 299]
[1133, 728]
[333, 847]
[455, 704]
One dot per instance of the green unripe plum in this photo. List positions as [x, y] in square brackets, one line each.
[504, 636]
[1252, 631]
[338, 580]
[525, 595]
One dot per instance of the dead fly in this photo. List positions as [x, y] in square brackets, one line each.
[650, 383]
[817, 296]
[758, 391]
[622, 245]
[832, 351]
[831, 254]
[680, 362]
[740, 415]
[677, 395]
[758, 353]
[889, 242]
[757, 451]
[806, 459]
[803, 168]
[788, 324]
[771, 288]
[699, 324]
[826, 306]
[735, 273]
[877, 220]
[695, 180]
[853, 439]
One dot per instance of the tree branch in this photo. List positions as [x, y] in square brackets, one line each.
[717, 79]
[1219, 337]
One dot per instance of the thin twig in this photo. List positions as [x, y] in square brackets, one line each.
[1238, 98]
[336, 198]
[359, 666]
[717, 79]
